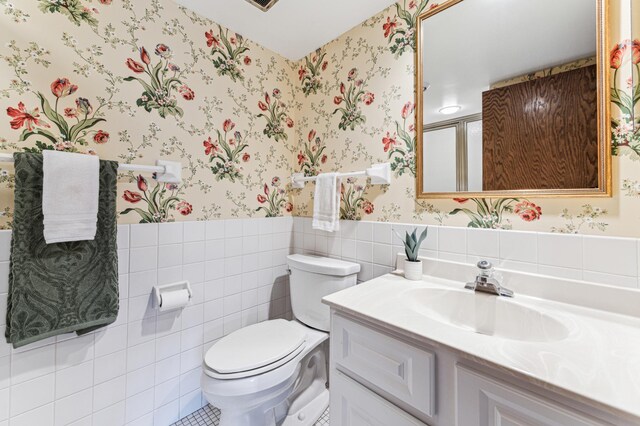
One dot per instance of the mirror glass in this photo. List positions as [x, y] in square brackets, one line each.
[510, 98]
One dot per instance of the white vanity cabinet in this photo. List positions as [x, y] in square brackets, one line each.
[485, 401]
[381, 378]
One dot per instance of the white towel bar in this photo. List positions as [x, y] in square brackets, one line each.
[166, 171]
[380, 174]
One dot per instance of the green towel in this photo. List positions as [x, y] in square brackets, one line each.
[64, 287]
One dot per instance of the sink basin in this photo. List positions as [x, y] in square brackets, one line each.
[485, 314]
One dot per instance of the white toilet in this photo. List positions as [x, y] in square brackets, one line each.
[275, 372]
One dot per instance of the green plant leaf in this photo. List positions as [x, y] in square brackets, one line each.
[423, 235]
[83, 125]
[145, 215]
[52, 115]
[38, 132]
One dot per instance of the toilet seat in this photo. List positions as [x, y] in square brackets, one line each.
[254, 350]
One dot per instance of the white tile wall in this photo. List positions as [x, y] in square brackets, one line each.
[605, 260]
[145, 368]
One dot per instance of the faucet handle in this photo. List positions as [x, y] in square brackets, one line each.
[484, 265]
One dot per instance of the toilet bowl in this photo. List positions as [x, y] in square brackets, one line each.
[275, 372]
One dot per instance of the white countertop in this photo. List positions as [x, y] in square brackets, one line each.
[598, 362]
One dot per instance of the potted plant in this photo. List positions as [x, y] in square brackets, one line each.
[413, 266]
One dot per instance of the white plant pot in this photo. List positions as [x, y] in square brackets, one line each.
[413, 270]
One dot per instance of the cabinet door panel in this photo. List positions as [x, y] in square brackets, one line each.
[398, 371]
[483, 401]
[354, 405]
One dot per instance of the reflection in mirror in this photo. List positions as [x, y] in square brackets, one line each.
[510, 99]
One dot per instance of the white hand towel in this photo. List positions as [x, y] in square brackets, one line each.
[70, 191]
[326, 203]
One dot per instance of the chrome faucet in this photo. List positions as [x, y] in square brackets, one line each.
[487, 281]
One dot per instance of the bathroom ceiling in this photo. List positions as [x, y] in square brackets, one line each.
[501, 39]
[292, 28]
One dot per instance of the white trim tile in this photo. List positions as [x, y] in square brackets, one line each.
[109, 367]
[30, 364]
[167, 346]
[122, 238]
[110, 339]
[170, 233]
[4, 277]
[233, 228]
[250, 227]
[364, 231]
[110, 416]
[170, 255]
[5, 403]
[143, 259]
[5, 372]
[170, 275]
[610, 279]
[607, 255]
[166, 392]
[138, 405]
[140, 380]
[214, 229]
[167, 414]
[561, 250]
[39, 416]
[194, 273]
[483, 243]
[382, 233]
[452, 240]
[5, 245]
[193, 252]
[26, 396]
[194, 231]
[73, 407]
[141, 355]
[74, 379]
[557, 271]
[519, 246]
[109, 393]
[214, 249]
[75, 351]
[167, 369]
[143, 235]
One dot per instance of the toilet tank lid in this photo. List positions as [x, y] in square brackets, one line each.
[322, 265]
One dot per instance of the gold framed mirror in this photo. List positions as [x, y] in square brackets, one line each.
[512, 99]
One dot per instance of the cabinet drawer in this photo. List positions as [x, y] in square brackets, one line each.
[354, 405]
[483, 401]
[394, 369]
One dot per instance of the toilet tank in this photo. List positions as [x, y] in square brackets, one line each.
[312, 278]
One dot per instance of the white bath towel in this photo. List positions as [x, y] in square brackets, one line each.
[326, 203]
[70, 190]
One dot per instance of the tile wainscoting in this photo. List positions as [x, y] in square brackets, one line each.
[145, 369]
[607, 260]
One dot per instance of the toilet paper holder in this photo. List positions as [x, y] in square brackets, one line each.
[159, 290]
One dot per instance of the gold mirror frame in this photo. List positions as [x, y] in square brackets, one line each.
[604, 120]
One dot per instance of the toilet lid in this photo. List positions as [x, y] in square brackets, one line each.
[254, 346]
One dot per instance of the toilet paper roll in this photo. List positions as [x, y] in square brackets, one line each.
[174, 299]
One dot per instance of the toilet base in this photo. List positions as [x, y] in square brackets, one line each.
[309, 414]
[255, 417]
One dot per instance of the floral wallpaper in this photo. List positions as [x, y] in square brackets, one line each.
[361, 111]
[137, 81]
